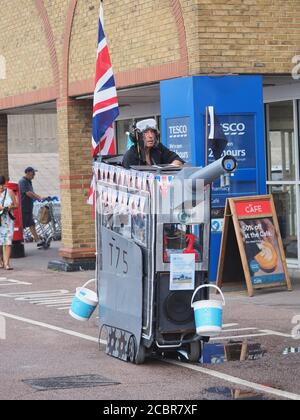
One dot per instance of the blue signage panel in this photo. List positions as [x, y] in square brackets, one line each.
[240, 133]
[238, 104]
[179, 137]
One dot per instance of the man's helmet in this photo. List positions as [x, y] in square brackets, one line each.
[145, 125]
[138, 129]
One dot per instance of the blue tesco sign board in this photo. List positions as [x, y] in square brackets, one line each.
[179, 137]
[239, 108]
[240, 133]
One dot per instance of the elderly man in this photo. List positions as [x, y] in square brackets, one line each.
[148, 151]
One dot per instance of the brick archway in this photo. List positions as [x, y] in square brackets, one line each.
[66, 49]
[174, 69]
[177, 11]
[42, 11]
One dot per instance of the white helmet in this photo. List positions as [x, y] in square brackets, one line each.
[145, 125]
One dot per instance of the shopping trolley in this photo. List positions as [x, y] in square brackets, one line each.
[47, 231]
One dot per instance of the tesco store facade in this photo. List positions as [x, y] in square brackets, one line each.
[281, 97]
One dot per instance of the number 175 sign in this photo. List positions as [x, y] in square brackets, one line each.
[118, 257]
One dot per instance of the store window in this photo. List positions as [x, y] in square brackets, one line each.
[124, 126]
[282, 141]
[285, 203]
[283, 173]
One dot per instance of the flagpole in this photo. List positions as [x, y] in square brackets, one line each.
[103, 139]
[206, 136]
[101, 12]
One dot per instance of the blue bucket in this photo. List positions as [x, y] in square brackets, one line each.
[208, 313]
[84, 303]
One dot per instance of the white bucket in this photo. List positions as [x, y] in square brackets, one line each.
[208, 314]
[84, 303]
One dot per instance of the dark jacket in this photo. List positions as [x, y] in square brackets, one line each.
[159, 154]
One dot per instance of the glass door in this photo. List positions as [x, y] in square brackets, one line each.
[283, 172]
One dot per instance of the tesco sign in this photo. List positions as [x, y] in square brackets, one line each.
[178, 130]
[178, 137]
[234, 129]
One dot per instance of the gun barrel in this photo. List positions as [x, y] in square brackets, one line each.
[213, 171]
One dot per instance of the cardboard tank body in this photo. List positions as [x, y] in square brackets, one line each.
[143, 216]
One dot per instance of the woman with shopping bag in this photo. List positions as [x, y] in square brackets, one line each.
[8, 203]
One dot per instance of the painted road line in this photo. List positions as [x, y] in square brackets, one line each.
[2, 328]
[51, 327]
[45, 299]
[220, 338]
[65, 296]
[49, 299]
[10, 282]
[240, 329]
[51, 302]
[238, 381]
[58, 304]
[229, 325]
[41, 292]
[36, 294]
[279, 334]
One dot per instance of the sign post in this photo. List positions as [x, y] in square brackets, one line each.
[251, 246]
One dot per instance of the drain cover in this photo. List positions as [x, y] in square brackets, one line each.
[67, 382]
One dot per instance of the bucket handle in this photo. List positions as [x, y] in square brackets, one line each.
[88, 282]
[208, 285]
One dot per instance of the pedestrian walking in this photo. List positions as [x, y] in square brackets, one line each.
[8, 203]
[27, 198]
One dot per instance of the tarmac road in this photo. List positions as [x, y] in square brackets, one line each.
[43, 341]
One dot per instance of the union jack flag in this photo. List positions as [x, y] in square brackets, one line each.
[106, 107]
